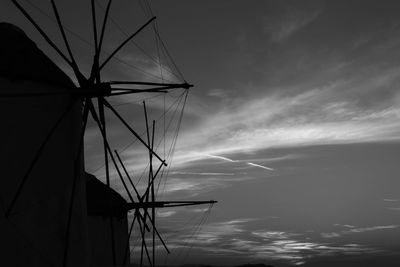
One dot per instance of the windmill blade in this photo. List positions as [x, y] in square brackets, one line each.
[96, 118]
[147, 126]
[37, 157]
[133, 91]
[143, 245]
[94, 24]
[44, 35]
[153, 211]
[125, 42]
[151, 182]
[158, 233]
[150, 158]
[98, 90]
[146, 214]
[150, 144]
[166, 204]
[108, 105]
[81, 79]
[141, 217]
[108, 149]
[174, 85]
[162, 240]
[95, 72]
[154, 227]
[119, 174]
[127, 174]
[128, 238]
[103, 28]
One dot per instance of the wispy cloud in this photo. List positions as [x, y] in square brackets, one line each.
[273, 234]
[292, 247]
[353, 229]
[214, 233]
[316, 116]
[330, 235]
[299, 252]
[199, 184]
[395, 208]
[373, 228]
[234, 237]
[391, 200]
[281, 25]
[344, 225]
[164, 214]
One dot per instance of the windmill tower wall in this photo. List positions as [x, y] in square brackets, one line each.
[34, 231]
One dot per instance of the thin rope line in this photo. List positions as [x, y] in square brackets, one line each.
[90, 44]
[114, 22]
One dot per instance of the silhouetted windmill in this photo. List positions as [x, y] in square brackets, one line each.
[92, 87]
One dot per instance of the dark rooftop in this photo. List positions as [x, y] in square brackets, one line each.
[21, 59]
[102, 200]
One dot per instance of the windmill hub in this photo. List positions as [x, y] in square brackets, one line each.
[95, 90]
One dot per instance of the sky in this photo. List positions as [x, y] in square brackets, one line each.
[293, 125]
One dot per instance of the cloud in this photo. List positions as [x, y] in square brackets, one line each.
[198, 210]
[390, 200]
[330, 235]
[291, 247]
[344, 225]
[396, 208]
[299, 252]
[273, 234]
[279, 26]
[164, 214]
[234, 237]
[213, 233]
[132, 64]
[352, 229]
[320, 115]
[199, 184]
[373, 228]
[326, 114]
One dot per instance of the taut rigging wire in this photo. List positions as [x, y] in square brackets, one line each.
[91, 45]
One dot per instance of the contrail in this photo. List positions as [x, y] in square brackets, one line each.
[259, 166]
[220, 157]
[231, 160]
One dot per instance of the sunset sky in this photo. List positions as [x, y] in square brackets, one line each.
[293, 125]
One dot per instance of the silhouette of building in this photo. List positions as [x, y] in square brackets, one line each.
[104, 203]
[41, 224]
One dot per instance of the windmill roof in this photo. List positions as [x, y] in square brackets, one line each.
[21, 59]
[103, 200]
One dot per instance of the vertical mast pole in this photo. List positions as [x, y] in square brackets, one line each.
[153, 213]
[150, 167]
